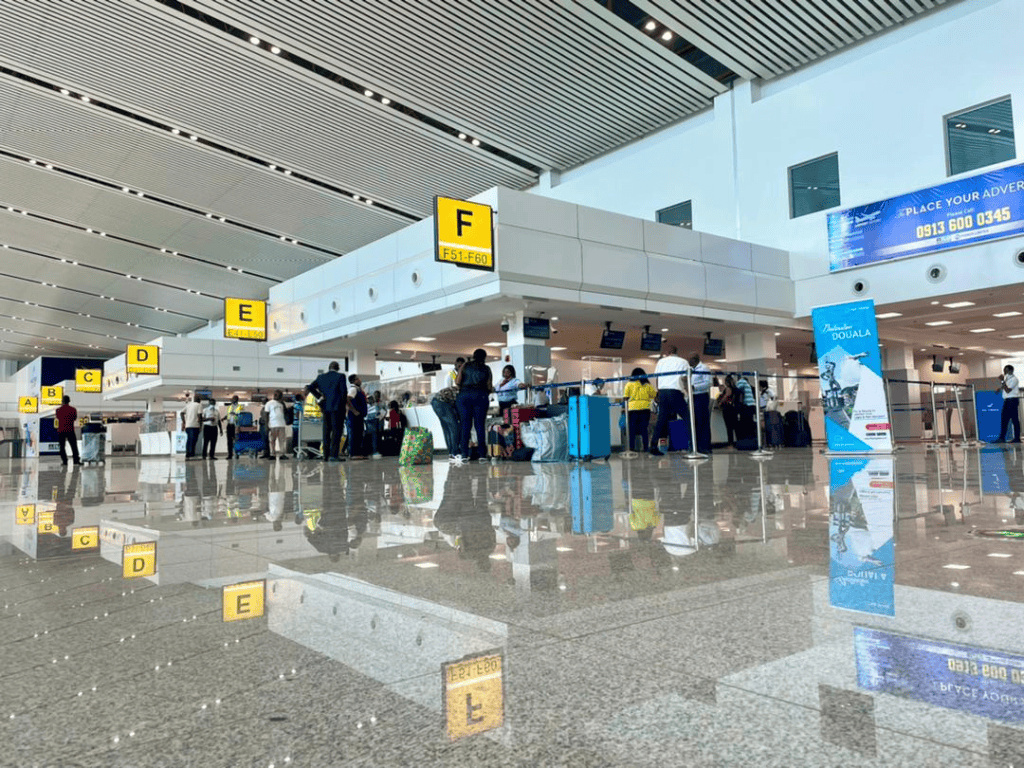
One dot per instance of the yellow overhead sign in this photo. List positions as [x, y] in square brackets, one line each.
[88, 380]
[26, 514]
[464, 233]
[143, 358]
[474, 695]
[245, 319]
[138, 559]
[244, 600]
[28, 405]
[87, 537]
[51, 395]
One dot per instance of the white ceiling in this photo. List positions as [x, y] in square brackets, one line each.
[539, 85]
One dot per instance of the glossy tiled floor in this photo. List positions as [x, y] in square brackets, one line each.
[645, 612]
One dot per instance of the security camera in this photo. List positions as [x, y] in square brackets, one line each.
[554, 330]
[504, 326]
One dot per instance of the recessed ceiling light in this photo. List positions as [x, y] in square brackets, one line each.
[666, 35]
[254, 40]
[274, 49]
[981, 330]
[368, 93]
[125, 189]
[1012, 313]
[287, 173]
[495, 344]
[887, 315]
[940, 322]
[959, 304]
[462, 136]
[175, 131]
[955, 567]
[385, 101]
[664, 330]
[476, 142]
[85, 99]
[651, 25]
[193, 137]
[558, 349]
[424, 338]
[1016, 336]
[65, 91]
[426, 565]
[999, 554]
[368, 201]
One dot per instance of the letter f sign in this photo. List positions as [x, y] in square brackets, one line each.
[460, 222]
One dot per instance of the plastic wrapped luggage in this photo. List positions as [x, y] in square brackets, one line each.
[417, 446]
[590, 489]
[773, 429]
[521, 415]
[549, 438]
[590, 429]
[94, 447]
[679, 435]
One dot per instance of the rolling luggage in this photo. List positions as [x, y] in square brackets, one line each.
[417, 447]
[590, 428]
[746, 443]
[679, 435]
[774, 436]
[591, 494]
[94, 443]
[389, 442]
[797, 432]
[249, 443]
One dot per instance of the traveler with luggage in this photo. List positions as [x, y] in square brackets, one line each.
[640, 395]
[701, 386]
[231, 417]
[475, 384]
[727, 400]
[671, 401]
[330, 391]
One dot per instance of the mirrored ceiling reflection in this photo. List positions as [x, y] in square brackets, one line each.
[859, 610]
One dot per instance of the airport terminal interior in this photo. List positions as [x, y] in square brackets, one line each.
[216, 199]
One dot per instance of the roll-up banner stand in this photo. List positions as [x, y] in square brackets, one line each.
[852, 389]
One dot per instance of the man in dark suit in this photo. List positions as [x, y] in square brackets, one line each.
[330, 389]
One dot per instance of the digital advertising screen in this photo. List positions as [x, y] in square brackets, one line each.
[988, 206]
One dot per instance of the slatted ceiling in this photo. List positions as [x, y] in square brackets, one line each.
[570, 68]
[185, 77]
[160, 164]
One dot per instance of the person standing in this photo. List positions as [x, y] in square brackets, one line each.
[745, 409]
[443, 403]
[373, 419]
[66, 418]
[211, 428]
[671, 401]
[191, 416]
[727, 405]
[231, 417]
[701, 384]
[357, 410]
[276, 425]
[329, 389]
[475, 384]
[640, 395]
[1010, 388]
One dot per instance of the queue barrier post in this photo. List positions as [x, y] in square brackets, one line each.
[892, 421]
[977, 424]
[629, 453]
[760, 454]
[965, 443]
[935, 418]
[694, 454]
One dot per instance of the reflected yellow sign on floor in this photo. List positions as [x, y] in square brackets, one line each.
[87, 537]
[143, 358]
[464, 233]
[138, 560]
[51, 395]
[244, 600]
[88, 380]
[46, 524]
[245, 319]
[474, 695]
[25, 514]
[28, 405]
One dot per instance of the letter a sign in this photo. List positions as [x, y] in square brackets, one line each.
[245, 319]
[143, 358]
[464, 233]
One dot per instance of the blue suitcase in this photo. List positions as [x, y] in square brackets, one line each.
[590, 428]
[591, 493]
[249, 443]
[679, 435]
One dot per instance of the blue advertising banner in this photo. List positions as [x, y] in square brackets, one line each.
[862, 556]
[975, 680]
[988, 206]
[852, 390]
[990, 409]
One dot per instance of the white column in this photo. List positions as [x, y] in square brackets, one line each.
[898, 363]
[525, 354]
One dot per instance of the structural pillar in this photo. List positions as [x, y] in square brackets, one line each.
[527, 355]
[906, 398]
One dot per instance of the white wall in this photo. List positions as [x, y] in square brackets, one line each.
[880, 105]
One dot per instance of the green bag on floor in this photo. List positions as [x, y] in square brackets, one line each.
[417, 447]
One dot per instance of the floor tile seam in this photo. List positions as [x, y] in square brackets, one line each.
[811, 708]
[142, 587]
[113, 613]
[106, 645]
[68, 591]
[692, 609]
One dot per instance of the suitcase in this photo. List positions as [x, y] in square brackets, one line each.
[797, 432]
[248, 443]
[389, 442]
[746, 443]
[94, 446]
[774, 433]
[417, 447]
[591, 495]
[590, 428]
[521, 415]
[243, 420]
[679, 435]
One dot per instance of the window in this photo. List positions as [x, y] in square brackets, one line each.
[980, 136]
[814, 186]
[681, 215]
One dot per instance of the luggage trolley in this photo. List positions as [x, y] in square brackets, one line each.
[311, 431]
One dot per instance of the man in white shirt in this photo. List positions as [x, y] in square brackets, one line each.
[671, 400]
[1010, 414]
[276, 424]
[191, 416]
[701, 403]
